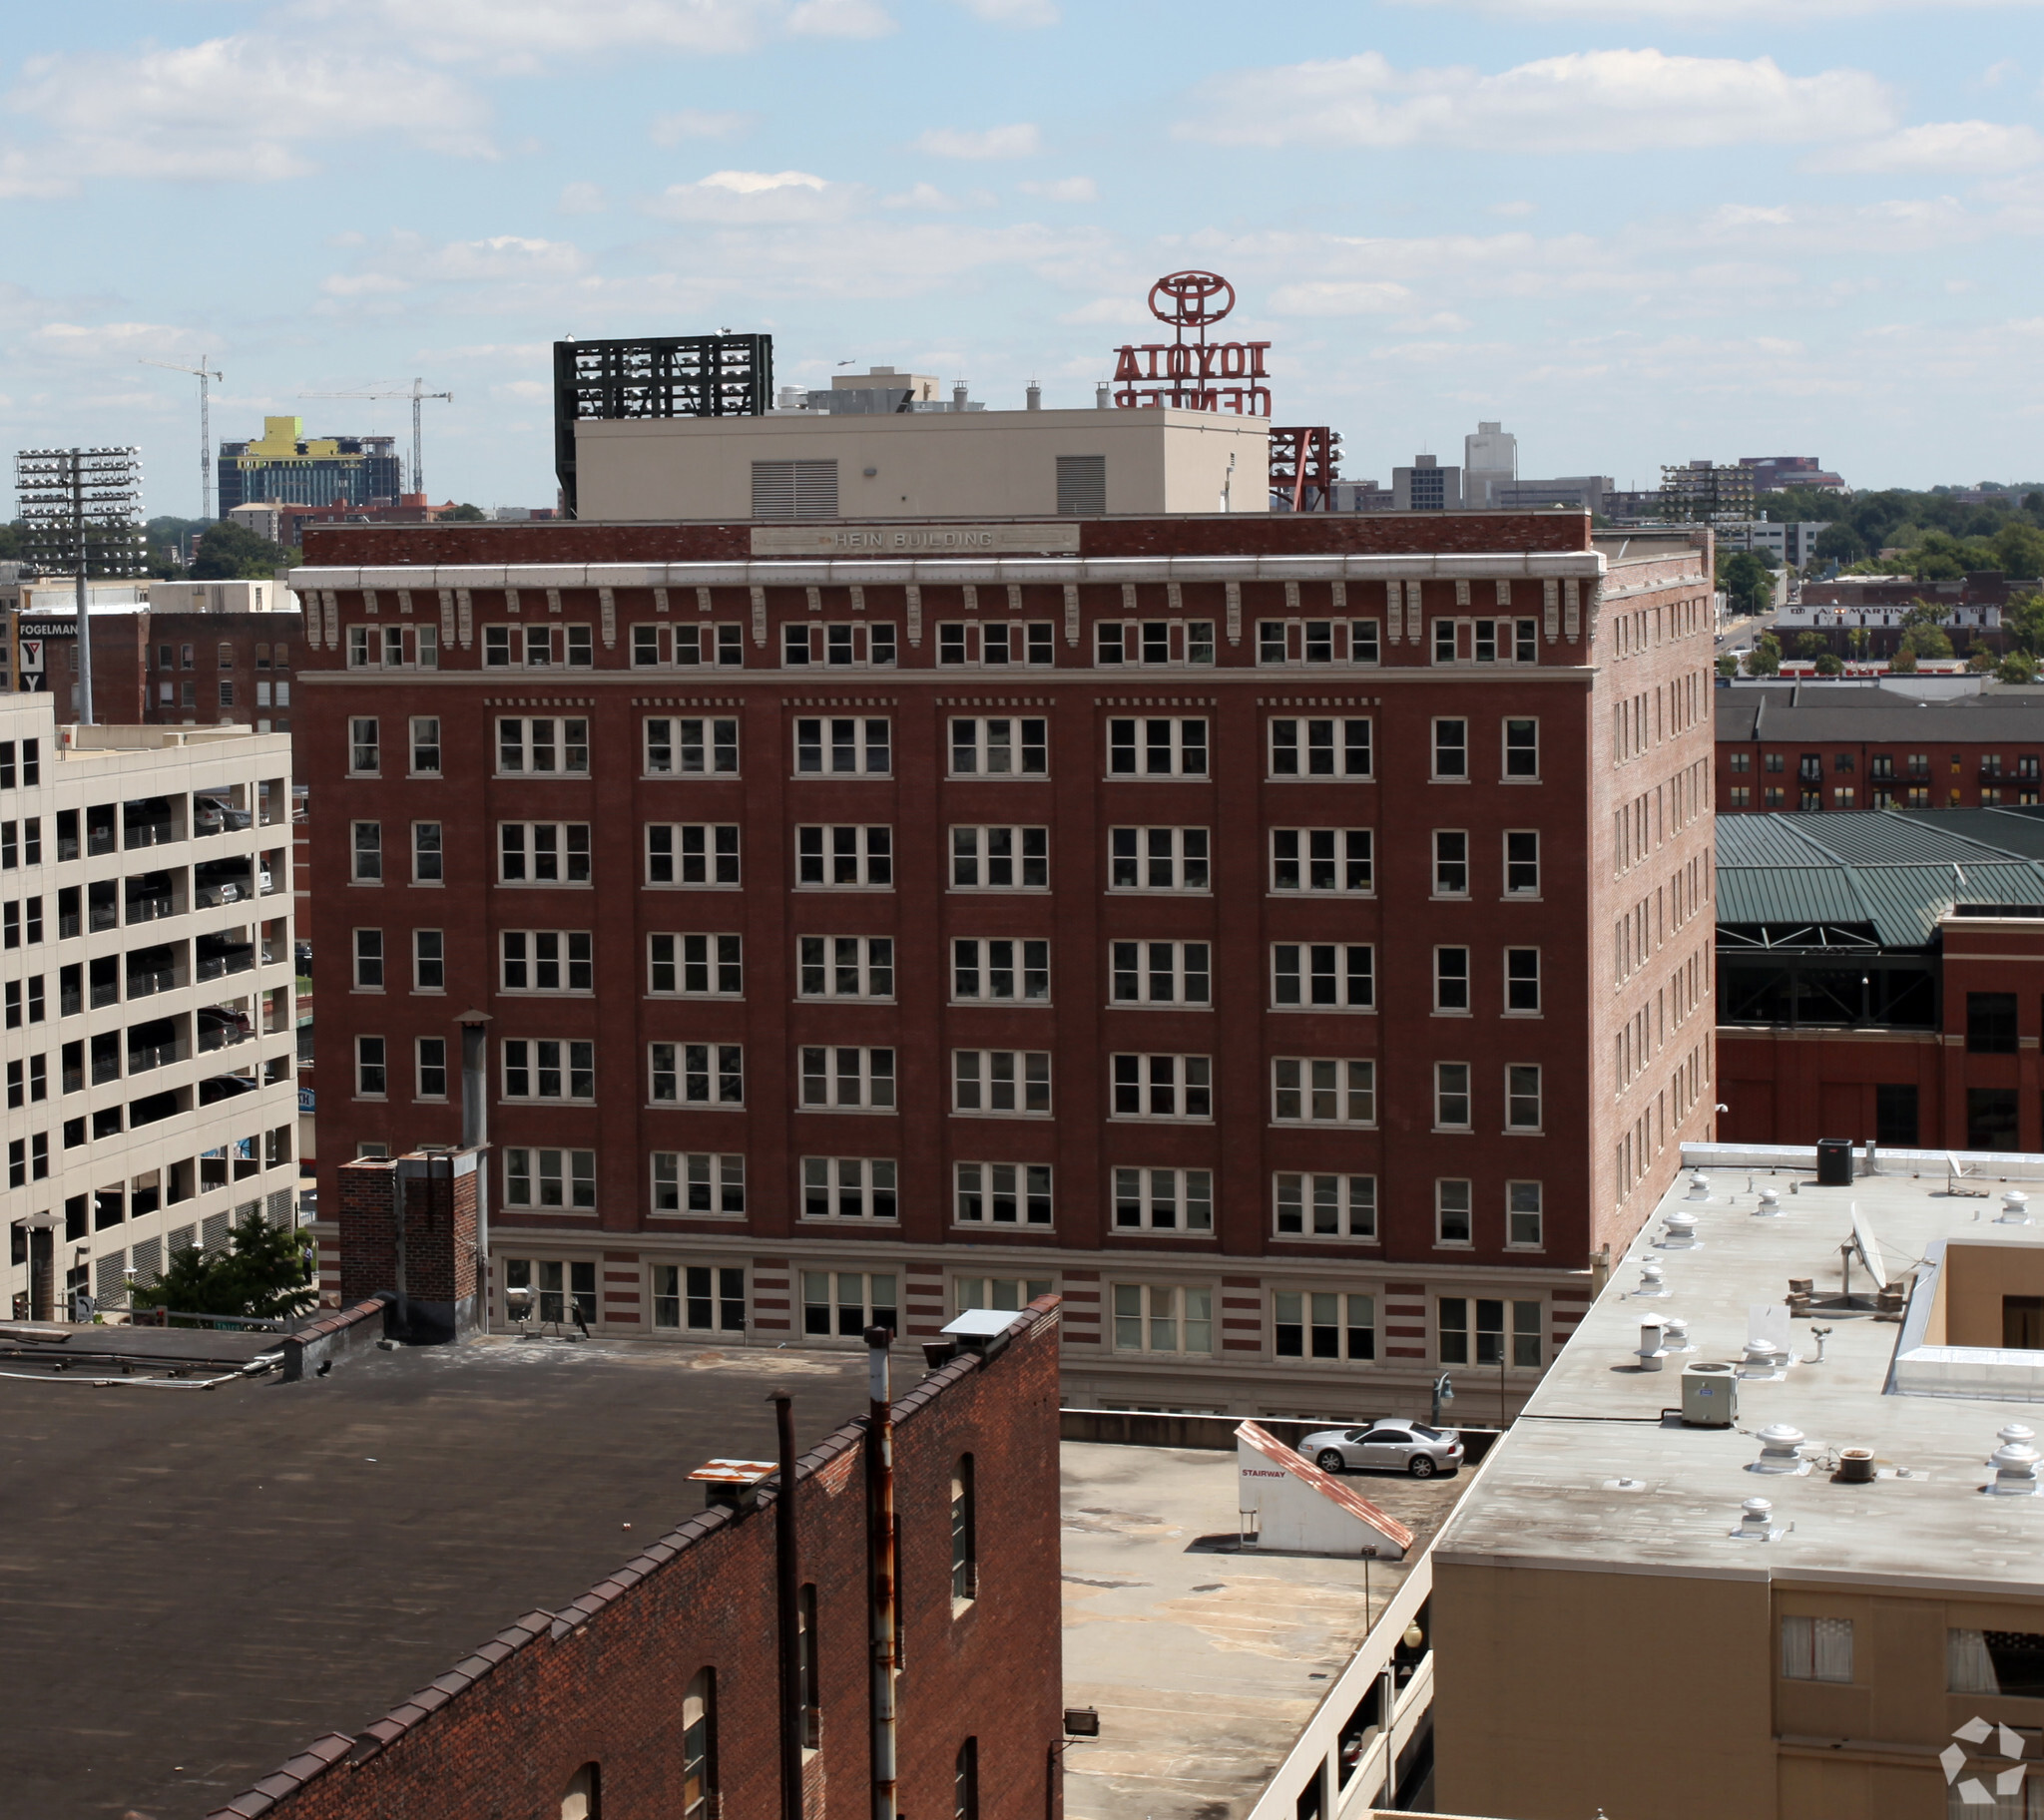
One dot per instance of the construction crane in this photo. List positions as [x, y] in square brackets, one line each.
[205, 376]
[419, 396]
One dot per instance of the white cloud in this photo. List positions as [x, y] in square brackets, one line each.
[1361, 298]
[1019, 141]
[1964, 146]
[1993, 75]
[237, 109]
[751, 182]
[1703, 12]
[928, 196]
[1588, 101]
[531, 35]
[1064, 190]
[1513, 208]
[840, 19]
[581, 199]
[696, 122]
[754, 197]
[1013, 12]
[362, 284]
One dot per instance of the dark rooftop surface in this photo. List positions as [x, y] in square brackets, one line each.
[196, 1583]
[1821, 713]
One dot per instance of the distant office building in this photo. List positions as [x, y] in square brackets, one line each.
[150, 1033]
[1793, 544]
[1573, 492]
[1362, 496]
[1490, 460]
[1772, 473]
[286, 467]
[1426, 486]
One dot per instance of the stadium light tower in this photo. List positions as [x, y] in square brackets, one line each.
[81, 512]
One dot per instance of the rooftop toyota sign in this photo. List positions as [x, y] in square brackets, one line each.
[1199, 375]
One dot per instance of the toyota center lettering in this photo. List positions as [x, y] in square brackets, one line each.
[1198, 375]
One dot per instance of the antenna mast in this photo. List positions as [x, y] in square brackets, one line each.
[205, 376]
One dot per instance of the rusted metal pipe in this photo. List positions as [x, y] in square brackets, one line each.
[787, 1598]
[884, 1618]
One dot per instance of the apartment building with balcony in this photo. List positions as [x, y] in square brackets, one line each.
[1282, 936]
[146, 1024]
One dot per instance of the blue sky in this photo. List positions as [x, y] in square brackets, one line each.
[1634, 231]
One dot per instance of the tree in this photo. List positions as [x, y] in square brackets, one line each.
[1838, 543]
[1829, 663]
[2017, 666]
[268, 1275]
[2023, 619]
[1765, 658]
[1980, 659]
[463, 515]
[1811, 644]
[233, 552]
[1927, 641]
[1747, 585]
[1903, 662]
[1856, 640]
[2019, 550]
[1728, 664]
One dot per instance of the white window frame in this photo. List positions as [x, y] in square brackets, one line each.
[1453, 1205]
[980, 964]
[1167, 1319]
[1184, 854]
[714, 850]
[717, 644]
[425, 742]
[1453, 987]
[1024, 1189]
[1454, 1089]
[838, 645]
[372, 1060]
[422, 1067]
[853, 1317]
[1159, 1087]
[1163, 1200]
[421, 960]
[966, 643]
[1525, 1217]
[985, 1076]
[696, 1073]
[1453, 748]
[1323, 1205]
[1452, 867]
[1303, 1309]
[1818, 1650]
[369, 849]
[560, 853]
[1153, 643]
[429, 854]
[978, 837]
[1518, 1339]
[972, 739]
[365, 747]
[1323, 1090]
[826, 959]
[367, 959]
[1517, 1096]
[689, 746]
[528, 949]
[1521, 985]
[681, 1178]
[1347, 853]
[1515, 765]
[721, 1298]
[1338, 641]
[825, 852]
[1291, 756]
[1525, 892]
[854, 745]
[1135, 751]
[546, 746]
[1350, 987]
[572, 1174]
[874, 1181]
[718, 960]
[568, 1059]
[848, 1077]
[1187, 967]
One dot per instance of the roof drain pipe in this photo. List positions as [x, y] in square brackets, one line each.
[883, 1615]
[787, 1591]
[397, 1212]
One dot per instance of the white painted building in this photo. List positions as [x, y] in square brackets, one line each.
[146, 1029]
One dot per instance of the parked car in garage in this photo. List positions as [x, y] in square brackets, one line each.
[1391, 1445]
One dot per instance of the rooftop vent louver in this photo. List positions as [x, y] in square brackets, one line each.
[2015, 1209]
[1756, 1522]
[1651, 1351]
[1700, 1186]
[1679, 1234]
[1675, 1335]
[2014, 1462]
[1781, 1450]
[1768, 1204]
[1651, 1279]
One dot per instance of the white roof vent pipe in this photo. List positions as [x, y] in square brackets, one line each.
[1651, 1350]
[1756, 1522]
[1675, 1335]
[1678, 1232]
[2015, 1209]
[1103, 396]
[1700, 1186]
[1781, 1450]
[1032, 396]
[1652, 1280]
[1768, 1205]
[2014, 1462]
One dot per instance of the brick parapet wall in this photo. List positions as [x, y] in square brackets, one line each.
[440, 1228]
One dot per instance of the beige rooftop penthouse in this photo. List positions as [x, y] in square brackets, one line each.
[1766, 1541]
[926, 464]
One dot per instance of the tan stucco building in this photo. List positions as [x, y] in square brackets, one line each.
[814, 464]
[1617, 1627]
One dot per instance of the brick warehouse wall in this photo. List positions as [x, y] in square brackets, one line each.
[1660, 656]
[440, 1235]
[603, 1680]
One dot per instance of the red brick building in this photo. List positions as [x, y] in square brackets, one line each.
[1280, 934]
[1824, 746]
[1875, 978]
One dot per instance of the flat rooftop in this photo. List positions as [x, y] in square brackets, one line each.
[1593, 1471]
[1204, 1658]
[197, 1583]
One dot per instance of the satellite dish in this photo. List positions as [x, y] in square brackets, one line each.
[1868, 1249]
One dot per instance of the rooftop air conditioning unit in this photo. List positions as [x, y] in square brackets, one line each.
[1710, 1395]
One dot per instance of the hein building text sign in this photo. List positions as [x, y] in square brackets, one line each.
[915, 540]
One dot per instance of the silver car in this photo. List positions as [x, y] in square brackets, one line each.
[1394, 1446]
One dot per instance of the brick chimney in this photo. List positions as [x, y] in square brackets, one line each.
[408, 1226]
